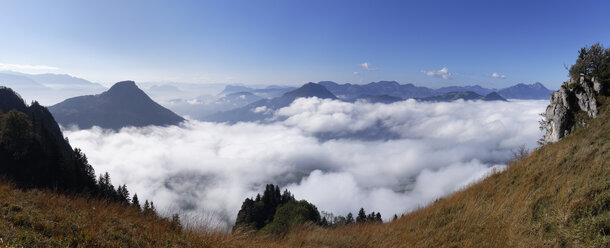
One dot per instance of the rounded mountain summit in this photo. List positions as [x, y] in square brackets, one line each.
[124, 104]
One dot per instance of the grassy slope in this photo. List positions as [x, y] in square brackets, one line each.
[558, 196]
[36, 218]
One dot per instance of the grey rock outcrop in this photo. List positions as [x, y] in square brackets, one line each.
[599, 87]
[574, 95]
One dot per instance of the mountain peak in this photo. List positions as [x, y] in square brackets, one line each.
[9, 100]
[537, 85]
[125, 90]
[123, 85]
[124, 104]
[525, 91]
[126, 82]
[493, 96]
[310, 90]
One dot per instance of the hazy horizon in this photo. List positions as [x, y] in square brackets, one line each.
[296, 84]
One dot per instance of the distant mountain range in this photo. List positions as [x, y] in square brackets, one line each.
[202, 106]
[390, 88]
[48, 88]
[201, 102]
[267, 92]
[463, 95]
[375, 92]
[474, 88]
[263, 109]
[124, 104]
[405, 91]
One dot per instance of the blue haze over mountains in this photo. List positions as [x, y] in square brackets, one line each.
[393, 88]
[221, 103]
[376, 92]
[48, 88]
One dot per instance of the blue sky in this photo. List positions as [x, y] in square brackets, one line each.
[291, 42]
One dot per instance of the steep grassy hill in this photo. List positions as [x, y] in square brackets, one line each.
[43, 218]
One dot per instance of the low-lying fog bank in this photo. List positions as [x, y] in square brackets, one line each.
[340, 156]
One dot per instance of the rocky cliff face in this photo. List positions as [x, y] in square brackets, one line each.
[574, 95]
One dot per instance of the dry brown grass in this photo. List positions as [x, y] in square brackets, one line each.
[559, 196]
[42, 218]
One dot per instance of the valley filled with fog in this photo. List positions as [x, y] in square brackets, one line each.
[340, 156]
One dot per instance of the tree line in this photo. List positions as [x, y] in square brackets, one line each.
[277, 213]
[330, 220]
[34, 154]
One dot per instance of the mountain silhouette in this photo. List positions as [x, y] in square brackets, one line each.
[124, 104]
[405, 91]
[526, 91]
[377, 99]
[267, 92]
[493, 96]
[389, 88]
[466, 95]
[474, 88]
[264, 108]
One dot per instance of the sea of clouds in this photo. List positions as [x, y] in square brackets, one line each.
[388, 158]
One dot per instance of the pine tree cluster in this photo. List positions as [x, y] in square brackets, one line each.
[275, 212]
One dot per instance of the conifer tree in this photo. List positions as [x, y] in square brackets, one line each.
[149, 207]
[361, 218]
[371, 217]
[349, 219]
[135, 201]
[123, 194]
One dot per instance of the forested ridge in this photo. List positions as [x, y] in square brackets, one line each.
[34, 154]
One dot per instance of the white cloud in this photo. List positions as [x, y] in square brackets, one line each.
[356, 73]
[366, 66]
[17, 67]
[497, 75]
[261, 109]
[434, 149]
[442, 73]
[193, 101]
